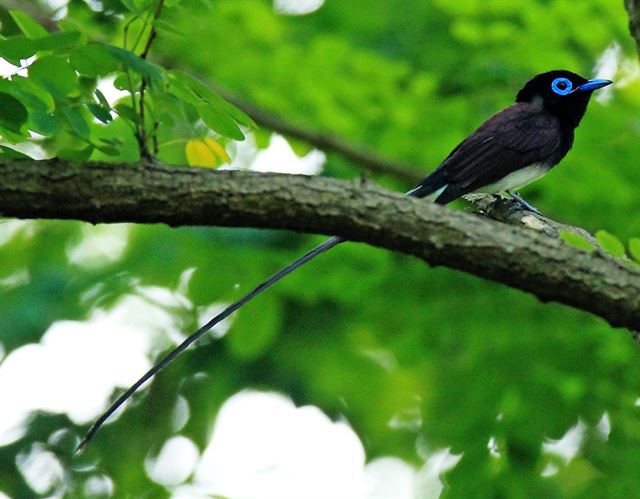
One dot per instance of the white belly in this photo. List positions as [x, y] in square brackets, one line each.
[513, 181]
[517, 179]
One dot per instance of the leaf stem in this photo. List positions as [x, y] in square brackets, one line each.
[142, 135]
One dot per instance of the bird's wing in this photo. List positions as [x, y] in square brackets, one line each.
[516, 137]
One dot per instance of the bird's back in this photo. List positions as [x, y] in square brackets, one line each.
[520, 136]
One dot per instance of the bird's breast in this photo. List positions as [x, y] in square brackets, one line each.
[519, 178]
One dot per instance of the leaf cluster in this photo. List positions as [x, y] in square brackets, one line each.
[55, 93]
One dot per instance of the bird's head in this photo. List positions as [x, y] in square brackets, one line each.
[562, 93]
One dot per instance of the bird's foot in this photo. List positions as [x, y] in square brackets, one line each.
[523, 204]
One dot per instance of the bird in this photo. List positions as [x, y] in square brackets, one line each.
[508, 151]
[517, 145]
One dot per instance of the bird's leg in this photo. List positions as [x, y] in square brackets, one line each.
[523, 203]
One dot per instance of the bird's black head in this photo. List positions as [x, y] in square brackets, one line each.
[562, 93]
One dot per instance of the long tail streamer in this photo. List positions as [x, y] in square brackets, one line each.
[310, 255]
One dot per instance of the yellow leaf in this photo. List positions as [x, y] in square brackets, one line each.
[199, 153]
[205, 152]
[218, 150]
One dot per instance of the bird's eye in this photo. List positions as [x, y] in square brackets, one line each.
[561, 86]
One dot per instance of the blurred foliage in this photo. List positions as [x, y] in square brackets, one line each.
[408, 80]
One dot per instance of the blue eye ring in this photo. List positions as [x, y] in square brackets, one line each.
[561, 86]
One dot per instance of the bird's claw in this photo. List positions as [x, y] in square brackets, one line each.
[522, 203]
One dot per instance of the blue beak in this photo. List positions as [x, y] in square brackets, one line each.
[592, 85]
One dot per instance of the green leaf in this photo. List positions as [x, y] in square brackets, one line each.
[219, 121]
[29, 93]
[87, 85]
[213, 98]
[137, 6]
[299, 147]
[78, 155]
[172, 152]
[101, 113]
[168, 27]
[55, 75]
[182, 91]
[262, 138]
[238, 115]
[29, 26]
[576, 240]
[59, 41]
[114, 142]
[13, 136]
[94, 60]
[122, 81]
[13, 114]
[634, 248]
[17, 48]
[126, 111]
[108, 150]
[102, 99]
[44, 123]
[130, 5]
[610, 243]
[76, 122]
[131, 61]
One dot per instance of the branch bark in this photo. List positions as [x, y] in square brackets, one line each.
[359, 211]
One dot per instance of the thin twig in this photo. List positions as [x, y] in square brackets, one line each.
[154, 138]
[132, 93]
[125, 32]
[125, 37]
[153, 33]
[142, 138]
[145, 23]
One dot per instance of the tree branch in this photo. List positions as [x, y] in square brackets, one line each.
[325, 142]
[41, 13]
[143, 193]
[633, 9]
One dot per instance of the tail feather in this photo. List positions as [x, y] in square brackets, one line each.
[431, 187]
[318, 250]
